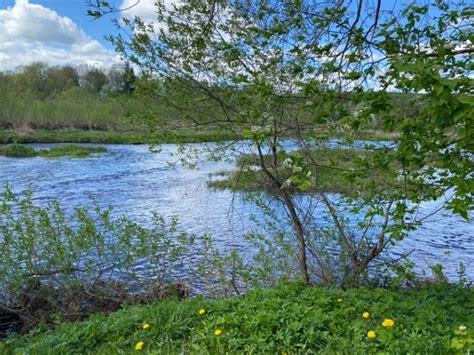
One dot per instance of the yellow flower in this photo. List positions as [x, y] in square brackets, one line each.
[462, 328]
[388, 323]
[217, 332]
[339, 300]
[284, 353]
[202, 311]
[139, 345]
[371, 334]
[365, 315]
[146, 326]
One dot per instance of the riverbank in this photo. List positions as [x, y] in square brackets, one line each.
[289, 319]
[112, 137]
[144, 137]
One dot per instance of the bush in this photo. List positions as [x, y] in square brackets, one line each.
[56, 266]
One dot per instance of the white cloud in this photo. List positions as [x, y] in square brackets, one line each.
[145, 9]
[31, 32]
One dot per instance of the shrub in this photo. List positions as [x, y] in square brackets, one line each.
[58, 266]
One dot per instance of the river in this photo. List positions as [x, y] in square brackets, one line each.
[136, 182]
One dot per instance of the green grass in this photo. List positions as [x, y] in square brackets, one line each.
[113, 137]
[137, 136]
[291, 319]
[16, 150]
[75, 108]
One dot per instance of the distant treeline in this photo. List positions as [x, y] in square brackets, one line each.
[62, 97]
[42, 97]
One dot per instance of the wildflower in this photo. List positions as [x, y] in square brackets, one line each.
[371, 334]
[201, 311]
[339, 300]
[139, 345]
[146, 325]
[462, 328]
[388, 323]
[217, 332]
[365, 315]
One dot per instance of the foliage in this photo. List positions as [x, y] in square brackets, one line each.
[57, 265]
[38, 96]
[288, 319]
[270, 70]
[443, 131]
[331, 172]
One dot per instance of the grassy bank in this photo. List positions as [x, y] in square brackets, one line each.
[16, 150]
[144, 137]
[113, 137]
[287, 320]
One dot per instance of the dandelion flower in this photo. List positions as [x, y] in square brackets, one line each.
[371, 334]
[339, 300]
[217, 332]
[139, 345]
[388, 323]
[201, 311]
[146, 325]
[462, 328]
[365, 315]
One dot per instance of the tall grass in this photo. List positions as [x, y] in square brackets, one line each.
[75, 108]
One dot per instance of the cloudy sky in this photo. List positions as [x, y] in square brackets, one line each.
[56, 32]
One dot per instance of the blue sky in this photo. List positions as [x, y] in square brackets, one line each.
[76, 10]
[53, 31]
[60, 32]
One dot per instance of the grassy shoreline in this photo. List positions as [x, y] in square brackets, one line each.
[288, 319]
[111, 137]
[144, 137]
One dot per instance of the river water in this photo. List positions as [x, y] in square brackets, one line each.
[136, 181]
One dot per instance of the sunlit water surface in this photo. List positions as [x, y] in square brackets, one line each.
[136, 182]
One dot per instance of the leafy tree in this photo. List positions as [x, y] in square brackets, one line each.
[94, 80]
[60, 78]
[278, 70]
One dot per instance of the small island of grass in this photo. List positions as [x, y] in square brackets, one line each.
[330, 173]
[16, 150]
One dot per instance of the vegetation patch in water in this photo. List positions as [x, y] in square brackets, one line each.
[16, 150]
[330, 172]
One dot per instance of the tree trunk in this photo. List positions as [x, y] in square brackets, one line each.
[295, 220]
[299, 231]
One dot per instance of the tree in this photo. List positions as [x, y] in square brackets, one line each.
[120, 79]
[94, 80]
[274, 70]
[60, 78]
